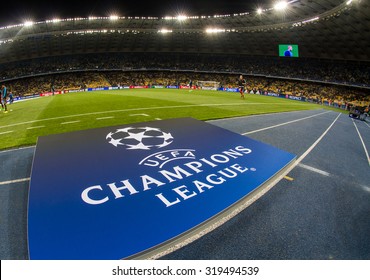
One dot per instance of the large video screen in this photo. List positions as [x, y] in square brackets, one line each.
[288, 50]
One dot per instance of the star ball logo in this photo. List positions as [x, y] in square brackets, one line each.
[149, 138]
[140, 138]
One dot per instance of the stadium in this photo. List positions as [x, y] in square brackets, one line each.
[69, 76]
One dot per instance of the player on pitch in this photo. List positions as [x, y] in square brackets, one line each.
[4, 95]
[241, 85]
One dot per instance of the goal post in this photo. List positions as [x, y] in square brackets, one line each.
[210, 85]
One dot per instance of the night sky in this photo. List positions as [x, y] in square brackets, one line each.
[15, 12]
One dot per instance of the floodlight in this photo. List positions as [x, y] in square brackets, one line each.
[259, 11]
[280, 5]
[214, 30]
[349, 2]
[28, 23]
[113, 17]
[164, 31]
[181, 17]
[56, 20]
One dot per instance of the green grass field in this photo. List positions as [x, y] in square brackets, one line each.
[77, 111]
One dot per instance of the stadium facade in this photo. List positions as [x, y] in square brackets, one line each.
[323, 29]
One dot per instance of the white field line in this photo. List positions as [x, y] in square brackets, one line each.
[141, 109]
[69, 122]
[362, 141]
[6, 132]
[293, 121]
[35, 127]
[133, 115]
[104, 118]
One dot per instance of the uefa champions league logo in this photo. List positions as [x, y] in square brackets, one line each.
[149, 139]
[140, 138]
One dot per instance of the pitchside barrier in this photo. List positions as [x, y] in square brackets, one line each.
[131, 191]
[273, 94]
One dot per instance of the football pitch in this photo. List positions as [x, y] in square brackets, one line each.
[27, 120]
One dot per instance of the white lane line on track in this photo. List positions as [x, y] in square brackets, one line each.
[367, 124]
[17, 149]
[362, 141]
[141, 109]
[15, 181]
[302, 157]
[6, 132]
[254, 116]
[277, 125]
[243, 206]
[315, 143]
[313, 169]
[70, 122]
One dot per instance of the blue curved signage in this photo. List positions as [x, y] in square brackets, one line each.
[114, 192]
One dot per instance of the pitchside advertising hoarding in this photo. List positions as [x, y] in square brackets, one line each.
[116, 192]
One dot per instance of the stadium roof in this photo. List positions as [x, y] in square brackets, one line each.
[328, 29]
[20, 11]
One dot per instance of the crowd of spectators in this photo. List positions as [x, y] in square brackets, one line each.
[318, 92]
[318, 80]
[343, 72]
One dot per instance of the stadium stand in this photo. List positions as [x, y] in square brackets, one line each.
[101, 51]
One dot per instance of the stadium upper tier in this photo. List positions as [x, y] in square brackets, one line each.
[329, 29]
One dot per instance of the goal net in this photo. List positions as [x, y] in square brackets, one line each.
[213, 85]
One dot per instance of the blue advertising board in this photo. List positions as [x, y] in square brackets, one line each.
[114, 192]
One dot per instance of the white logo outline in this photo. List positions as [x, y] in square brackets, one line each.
[135, 138]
